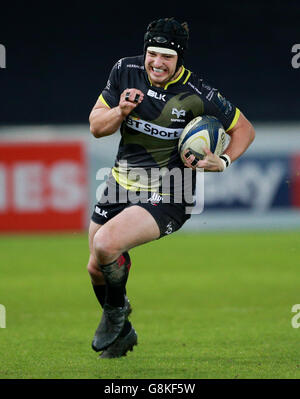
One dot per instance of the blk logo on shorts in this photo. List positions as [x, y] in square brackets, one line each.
[101, 212]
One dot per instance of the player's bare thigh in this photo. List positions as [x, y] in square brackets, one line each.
[131, 227]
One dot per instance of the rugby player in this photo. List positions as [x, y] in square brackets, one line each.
[150, 98]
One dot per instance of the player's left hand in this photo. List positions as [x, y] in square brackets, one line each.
[210, 163]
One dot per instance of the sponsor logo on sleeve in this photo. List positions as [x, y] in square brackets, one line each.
[224, 106]
[210, 94]
[195, 88]
[119, 63]
[135, 66]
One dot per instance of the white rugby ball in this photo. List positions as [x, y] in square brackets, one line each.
[203, 131]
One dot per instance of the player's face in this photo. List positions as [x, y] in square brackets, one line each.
[160, 67]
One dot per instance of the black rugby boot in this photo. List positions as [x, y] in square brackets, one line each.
[111, 325]
[121, 346]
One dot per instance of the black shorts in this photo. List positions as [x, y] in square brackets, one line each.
[168, 216]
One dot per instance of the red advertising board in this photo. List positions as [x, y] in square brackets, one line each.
[295, 180]
[43, 186]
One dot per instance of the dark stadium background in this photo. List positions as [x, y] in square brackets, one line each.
[59, 54]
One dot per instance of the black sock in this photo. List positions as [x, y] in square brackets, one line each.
[115, 296]
[100, 292]
[115, 293]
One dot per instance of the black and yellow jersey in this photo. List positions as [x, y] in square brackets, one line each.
[149, 135]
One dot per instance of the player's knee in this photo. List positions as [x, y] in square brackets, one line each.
[93, 269]
[95, 273]
[105, 246]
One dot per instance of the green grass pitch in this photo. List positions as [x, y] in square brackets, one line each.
[205, 306]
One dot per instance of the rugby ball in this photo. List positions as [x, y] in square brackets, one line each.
[203, 131]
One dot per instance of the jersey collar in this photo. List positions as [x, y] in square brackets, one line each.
[184, 75]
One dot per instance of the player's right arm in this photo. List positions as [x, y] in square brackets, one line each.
[105, 120]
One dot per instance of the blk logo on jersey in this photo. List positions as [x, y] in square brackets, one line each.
[154, 94]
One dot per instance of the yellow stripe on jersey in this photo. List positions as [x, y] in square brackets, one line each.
[176, 80]
[126, 183]
[101, 98]
[188, 76]
[235, 119]
[133, 185]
